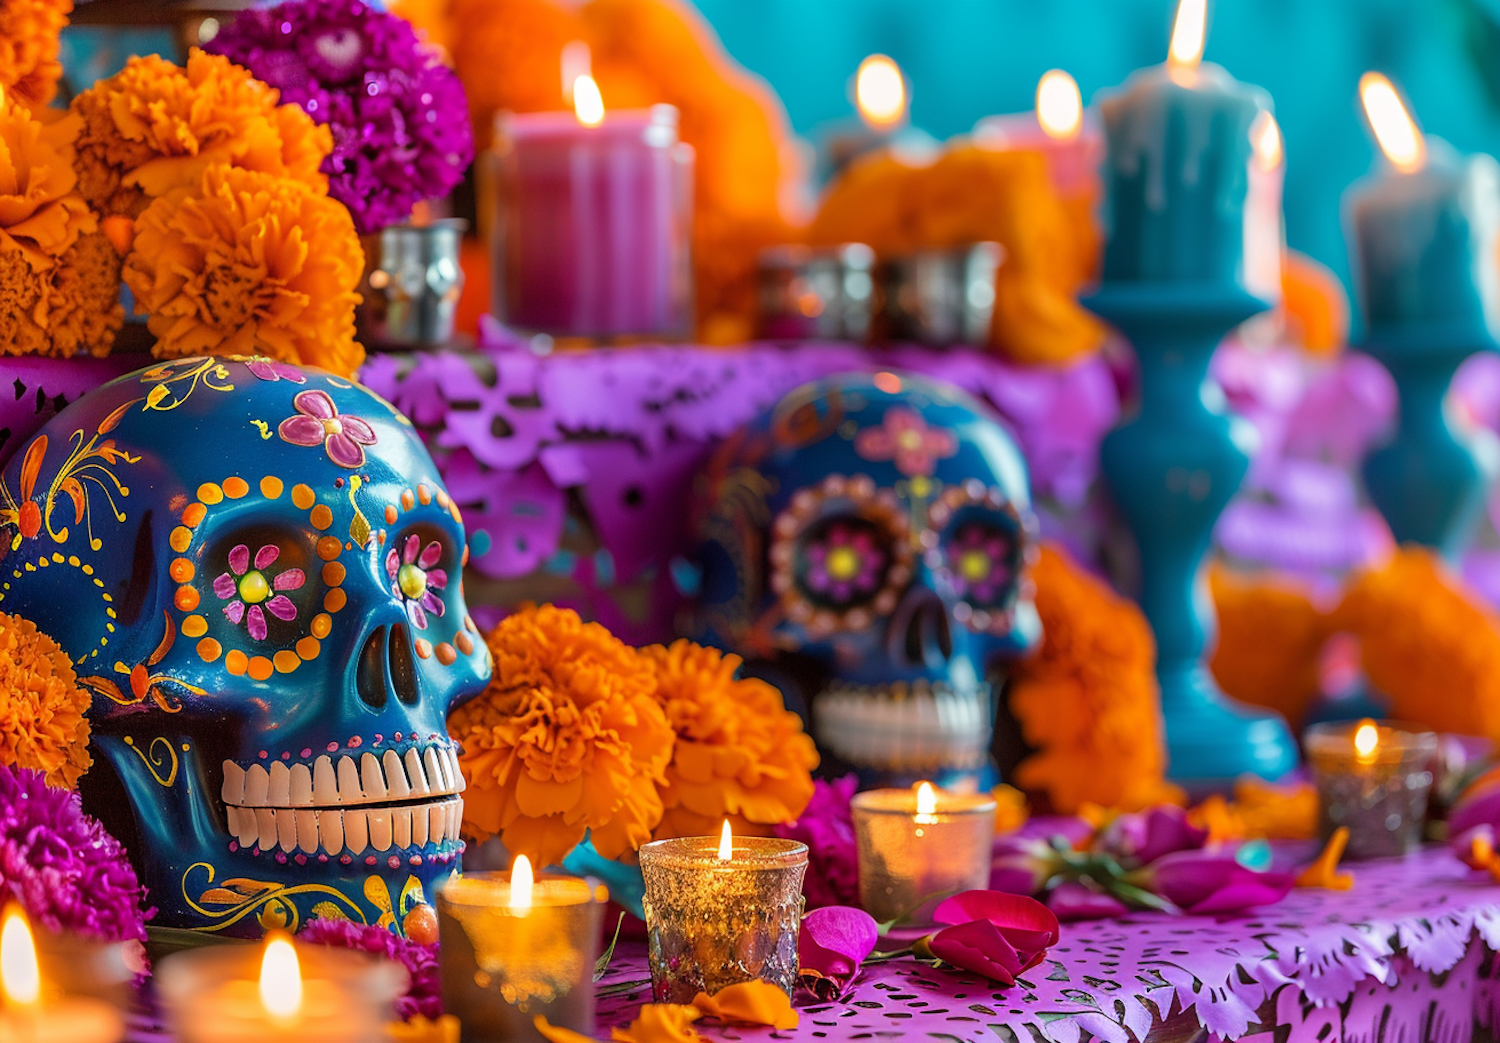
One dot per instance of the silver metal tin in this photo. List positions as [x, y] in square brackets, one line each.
[808, 293]
[420, 279]
[938, 297]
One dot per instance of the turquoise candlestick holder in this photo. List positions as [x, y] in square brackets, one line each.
[1172, 468]
[1430, 479]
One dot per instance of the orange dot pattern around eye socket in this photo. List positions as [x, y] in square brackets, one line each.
[329, 547]
[236, 662]
[333, 574]
[236, 487]
[186, 599]
[320, 516]
[261, 668]
[192, 514]
[209, 651]
[464, 642]
[194, 626]
[445, 654]
[423, 647]
[303, 496]
[271, 487]
[181, 570]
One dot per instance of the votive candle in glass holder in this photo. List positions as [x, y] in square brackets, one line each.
[514, 947]
[1375, 779]
[919, 843]
[722, 910]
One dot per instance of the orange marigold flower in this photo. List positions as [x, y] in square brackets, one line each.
[42, 723]
[247, 263]
[30, 40]
[740, 754]
[155, 127]
[41, 214]
[1260, 810]
[567, 739]
[1271, 637]
[1087, 700]
[1427, 642]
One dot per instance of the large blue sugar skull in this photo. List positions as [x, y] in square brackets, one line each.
[256, 569]
[879, 527]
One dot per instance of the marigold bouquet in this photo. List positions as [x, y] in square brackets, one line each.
[42, 722]
[30, 40]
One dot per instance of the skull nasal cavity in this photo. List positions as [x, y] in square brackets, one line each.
[920, 635]
[370, 677]
[403, 666]
[386, 665]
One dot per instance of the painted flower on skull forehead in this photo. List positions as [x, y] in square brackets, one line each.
[319, 422]
[904, 438]
[979, 561]
[844, 561]
[416, 579]
[251, 589]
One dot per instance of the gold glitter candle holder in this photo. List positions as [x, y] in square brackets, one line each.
[502, 966]
[714, 922]
[910, 853]
[1374, 778]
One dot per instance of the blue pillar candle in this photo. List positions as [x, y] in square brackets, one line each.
[1178, 176]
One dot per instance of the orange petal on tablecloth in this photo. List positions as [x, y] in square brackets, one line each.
[753, 1002]
[1323, 870]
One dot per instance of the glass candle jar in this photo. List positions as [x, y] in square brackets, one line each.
[1375, 779]
[505, 962]
[920, 843]
[714, 921]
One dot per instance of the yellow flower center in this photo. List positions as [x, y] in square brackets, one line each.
[333, 427]
[974, 565]
[911, 441]
[412, 581]
[253, 588]
[843, 563]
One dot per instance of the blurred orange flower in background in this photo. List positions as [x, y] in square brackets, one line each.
[248, 263]
[740, 754]
[155, 127]
[30, 40]
[1087, 700]
[567, 739]
[42, 723]
[1271, 637]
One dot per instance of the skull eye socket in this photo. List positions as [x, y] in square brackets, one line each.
[843, 561]
[262, 576]
[983, 559]
[418, 568]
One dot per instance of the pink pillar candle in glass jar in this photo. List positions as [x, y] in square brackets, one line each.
[592, 227]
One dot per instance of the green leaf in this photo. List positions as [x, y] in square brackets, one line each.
[601, 965]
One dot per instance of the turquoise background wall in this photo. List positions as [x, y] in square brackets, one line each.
[966, 59]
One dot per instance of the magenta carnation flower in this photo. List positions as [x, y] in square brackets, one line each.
[423, 995]
[69, 875]
[827, 828]
[399, 116]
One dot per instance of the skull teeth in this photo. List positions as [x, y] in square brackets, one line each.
[368, 779]
[353, 831]
[909, 726]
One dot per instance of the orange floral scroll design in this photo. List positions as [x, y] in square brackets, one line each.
[141, 683]
[229, 902]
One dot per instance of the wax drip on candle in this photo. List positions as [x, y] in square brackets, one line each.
[726, 843]
[1186, 50]
[880, 92]
[1059, 105]
[588, 103]
[20, 975]
[1366, 739]
[1395, 130]
[280, 978]
[926, 806]
[520, 883]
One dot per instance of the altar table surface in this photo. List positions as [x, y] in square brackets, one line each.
[1406, 956]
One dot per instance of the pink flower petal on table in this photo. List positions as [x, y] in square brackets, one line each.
[282, 608]
[267, 555]
[224, 587]
[835, 940]
[315, 404]
[357, 429]
[1026, 923]
[235, 610]
[978, 946]
[345, 451]
[239, 560]
[291, 579]
[255, 622]
[301, 430]
[1072, 901]
[430, 554]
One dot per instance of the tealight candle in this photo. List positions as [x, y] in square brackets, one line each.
[1422, 228]
[720, 911]
[1375, 779]
[917, 844]
[247, 994]
[515, 946]
[591, 231]
[33, 1013]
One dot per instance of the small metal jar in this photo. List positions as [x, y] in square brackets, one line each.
[420, 281]
[938, 297]
[808, 293]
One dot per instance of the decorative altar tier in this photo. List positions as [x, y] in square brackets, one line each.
[1408, 954]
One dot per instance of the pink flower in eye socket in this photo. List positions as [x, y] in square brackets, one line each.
[416, 579]
[251, 590]
[319, 422]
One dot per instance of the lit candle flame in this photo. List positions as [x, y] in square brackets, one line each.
[576, 61]
[521, 883]
[1394, 128]
[280, 978]
[880, 92]
[1059, 106]
[20, 976]
[1366, 738]
[1187, 34]
[588, 103]
[926, 805]
[1265, 139]
[726, 843]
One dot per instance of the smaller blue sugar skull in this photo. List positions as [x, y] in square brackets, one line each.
[867, 542]
[256, 569]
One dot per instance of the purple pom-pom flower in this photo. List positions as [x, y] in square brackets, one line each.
[69, 875]
[399, 116]
[423, 993]
[827, 828]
